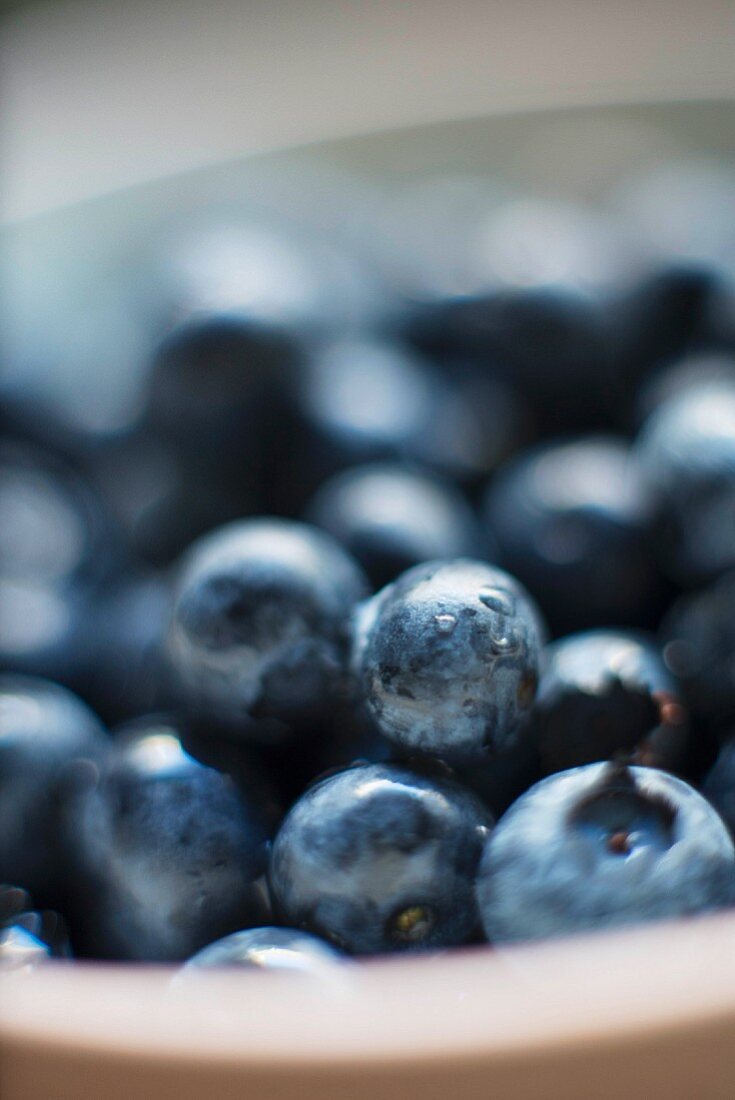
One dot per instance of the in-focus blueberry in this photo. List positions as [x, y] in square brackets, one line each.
[605, 692]
[259, 621]
[47, 735]
[447, 659]
[599, 846]
[381, 858]
[574, 523]
[166, 855]
[391, 517]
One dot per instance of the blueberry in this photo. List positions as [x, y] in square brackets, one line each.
[683, 374]
[603, 845]
[283, 949]
[126, 673]
[258, 627]
[669, 313]
[374, 400]
[698, 639]
[686, 454]
[391, 517]
[54, 531]
[165, 854]
[606, 692]
[47, 735]
[381, 858]
[28, 937]
[20, 949]
[360, 400]
[45, 631]
[551, 344]
[719, 784]
[213, 392]
[574, 524]
[447, 659]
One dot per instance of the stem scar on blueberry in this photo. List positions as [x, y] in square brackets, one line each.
[617, 790]
[619, 843]
[412, 924]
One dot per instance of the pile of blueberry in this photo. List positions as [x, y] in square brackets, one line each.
[357, 642]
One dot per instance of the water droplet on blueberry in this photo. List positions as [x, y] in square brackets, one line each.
[445, 624]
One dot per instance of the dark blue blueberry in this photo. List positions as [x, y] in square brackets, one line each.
[381, 858]
[603, 693]
[719, 784]
[45, 631]
[391, 517]
[505, 775]
[372, 400]
[698, 640]
[54, 531]
[166, 854]
[47, 735]
[213, 395]
[686, 454]
[280, 949]
[447, 659]
[361, 400]
[599, 846]
[574, 524]
[674, 379]
[669, 313]
[259, 622]
[550, 344]
[126, 673]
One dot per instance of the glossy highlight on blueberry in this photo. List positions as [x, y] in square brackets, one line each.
[381, 858]
[284, 950]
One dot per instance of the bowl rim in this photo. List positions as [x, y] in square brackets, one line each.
[496, 1003]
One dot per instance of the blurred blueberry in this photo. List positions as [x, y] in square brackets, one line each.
[574, 524]
[381, 858]
[391, 517]
[599, 846]
[20, 949]
[719, 784]
[165, 854]
[686, 455]
[126, 672]
[550, 344]
[277, 949]
[680, 375]
[606, 692]
[669, 313]
[698, 640]
[447, 659]
[47, 738]
[54, 531]
[259, 622]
